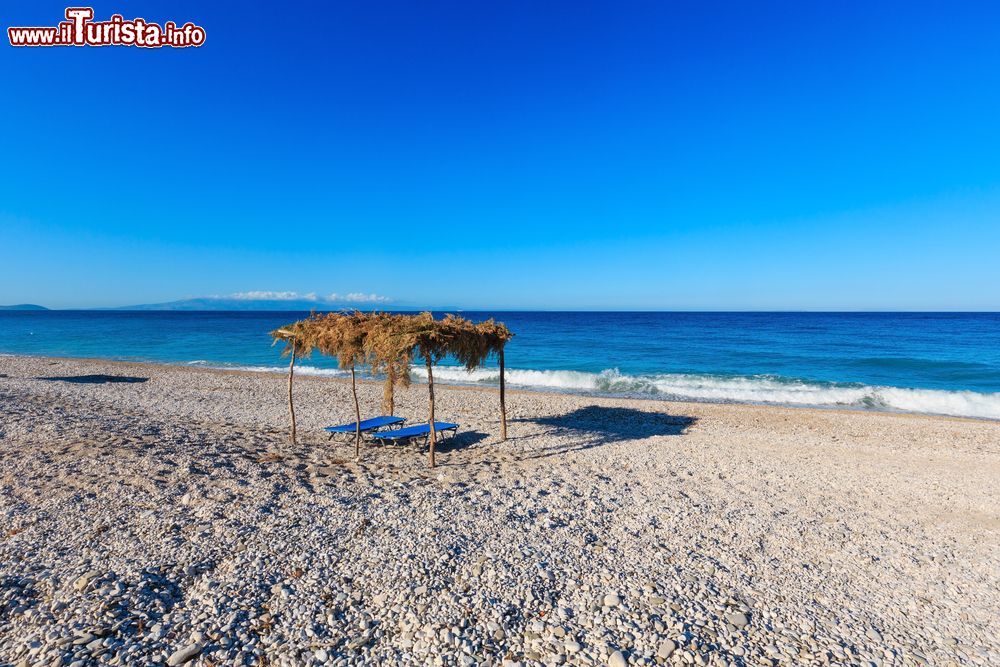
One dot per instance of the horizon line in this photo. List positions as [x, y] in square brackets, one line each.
[482, 309]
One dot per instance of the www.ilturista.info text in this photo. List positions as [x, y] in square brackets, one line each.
[81, 30]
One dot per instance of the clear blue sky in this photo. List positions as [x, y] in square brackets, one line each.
[512, 154]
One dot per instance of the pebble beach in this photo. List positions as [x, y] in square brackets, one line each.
[158, 515]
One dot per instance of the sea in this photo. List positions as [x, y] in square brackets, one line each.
[934, 363]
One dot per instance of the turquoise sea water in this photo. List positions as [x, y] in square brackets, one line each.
[945, 363]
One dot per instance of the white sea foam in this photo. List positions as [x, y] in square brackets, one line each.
[743, 389]
[716, 388]
[300, 369]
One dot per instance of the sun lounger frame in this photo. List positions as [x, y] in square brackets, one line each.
[349, 429]
[440, 428]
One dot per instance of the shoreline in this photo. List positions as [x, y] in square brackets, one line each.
[520, 389]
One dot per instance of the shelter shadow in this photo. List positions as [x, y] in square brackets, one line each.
[596, 425]
[94, 379]
[460, 440]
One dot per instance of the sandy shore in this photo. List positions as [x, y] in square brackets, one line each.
[168, 519]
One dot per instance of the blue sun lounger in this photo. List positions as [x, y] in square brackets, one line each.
[415, 431]
[367, 425]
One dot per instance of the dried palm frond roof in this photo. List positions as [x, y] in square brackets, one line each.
[393, 339]
[342, 335]
[297, 334]
[495, 334]
[387, 347]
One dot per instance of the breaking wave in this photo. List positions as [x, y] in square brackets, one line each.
[300, 369]
[768, 389]
[740, 389]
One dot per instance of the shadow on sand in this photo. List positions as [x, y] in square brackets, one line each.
[94, 379]
[597, 425]
[460, 440]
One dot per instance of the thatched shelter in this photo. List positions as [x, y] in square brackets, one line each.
[388, 343]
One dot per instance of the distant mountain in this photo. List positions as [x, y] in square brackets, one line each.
[24, 306]
[229, 303]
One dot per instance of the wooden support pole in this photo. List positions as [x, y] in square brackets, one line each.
[503, 402]
[291, 407]
[388, 391]
[357, 416]
[430, 396]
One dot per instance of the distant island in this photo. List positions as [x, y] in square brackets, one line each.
[239, 303]
[229, 303]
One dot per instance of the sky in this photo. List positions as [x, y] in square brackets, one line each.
[508, 155]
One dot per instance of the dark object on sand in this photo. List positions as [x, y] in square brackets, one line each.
[95, 379]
